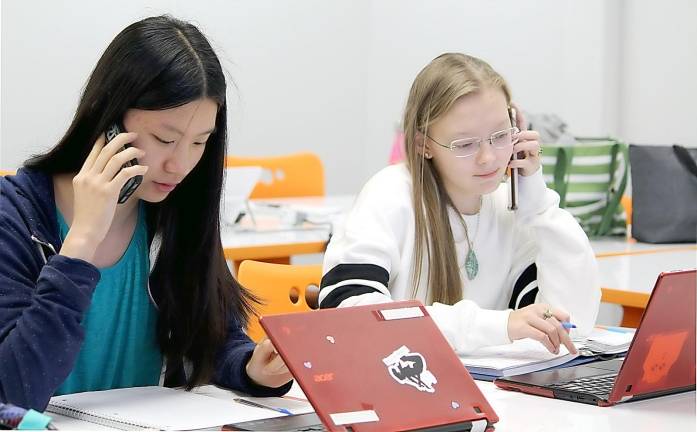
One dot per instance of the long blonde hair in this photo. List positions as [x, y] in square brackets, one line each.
[436, 88]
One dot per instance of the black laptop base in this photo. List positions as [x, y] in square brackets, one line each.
[310, 422]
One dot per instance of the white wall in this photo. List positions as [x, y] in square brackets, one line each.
[545, 49]
[332, 77]
[1, 162]
[659, 89]
[293, 64]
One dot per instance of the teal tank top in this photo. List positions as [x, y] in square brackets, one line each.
[120, 347]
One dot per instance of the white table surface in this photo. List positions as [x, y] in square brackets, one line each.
[233, 237]
[638, 268]
[606, 245]
[526, 413]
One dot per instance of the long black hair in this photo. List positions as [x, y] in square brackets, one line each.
[154, 64]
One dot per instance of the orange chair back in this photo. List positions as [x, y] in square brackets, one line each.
[626, 202]
[281, 288]
[293, 175]
[6, 172]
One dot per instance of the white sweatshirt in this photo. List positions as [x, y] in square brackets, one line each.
[370, 257]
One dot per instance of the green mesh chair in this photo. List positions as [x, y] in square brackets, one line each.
[590, 178]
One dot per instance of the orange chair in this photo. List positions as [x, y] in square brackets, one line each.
[293, 175]
[626, 202]
[6, 172]
[281, 288]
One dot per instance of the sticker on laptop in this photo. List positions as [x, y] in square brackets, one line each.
[409, 368]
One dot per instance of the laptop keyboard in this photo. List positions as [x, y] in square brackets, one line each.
[600, 385]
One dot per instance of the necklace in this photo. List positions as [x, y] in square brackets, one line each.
[471, 263]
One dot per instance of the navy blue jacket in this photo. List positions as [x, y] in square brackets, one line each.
[44, 297]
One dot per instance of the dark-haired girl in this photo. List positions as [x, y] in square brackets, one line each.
[97, 294]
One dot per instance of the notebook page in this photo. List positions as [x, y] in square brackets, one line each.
[155, 408]
[524, 355]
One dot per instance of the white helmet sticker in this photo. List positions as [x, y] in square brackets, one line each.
[410, 368]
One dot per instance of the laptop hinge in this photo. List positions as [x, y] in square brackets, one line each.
[479, 425]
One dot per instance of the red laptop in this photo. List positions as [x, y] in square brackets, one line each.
[660, 360]
[384, 367]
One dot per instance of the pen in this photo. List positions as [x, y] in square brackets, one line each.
[258, 405]
[615, 329]
[568, 325]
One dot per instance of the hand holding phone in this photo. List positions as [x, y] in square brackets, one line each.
[132, 183]
[96, 189]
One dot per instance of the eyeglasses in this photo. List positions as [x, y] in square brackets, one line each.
[466, 147]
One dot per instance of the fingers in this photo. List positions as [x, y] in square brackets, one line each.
[119, 160]
[566, 340]
[127, 173]
[528, 135]
[527, 150]
[521, 163]
[554, 329]
[111, 149]
[96, 149]
[548, 329]
[561, 316]
[544, 324]
[541, 337]
[276, 366]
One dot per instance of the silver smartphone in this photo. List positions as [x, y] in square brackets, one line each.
[132, 183]
[513, 198]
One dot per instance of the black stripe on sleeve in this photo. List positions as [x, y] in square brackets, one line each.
[340, 294]
[526, 278]
[344, 272]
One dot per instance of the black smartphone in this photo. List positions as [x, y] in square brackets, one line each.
[513, 199]
[132, 183]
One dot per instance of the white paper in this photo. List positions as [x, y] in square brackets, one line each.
[353, 417]
[521, 356]
[160, 408]
[401, 313]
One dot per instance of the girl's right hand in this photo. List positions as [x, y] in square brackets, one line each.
[531, 322]
[95, 194]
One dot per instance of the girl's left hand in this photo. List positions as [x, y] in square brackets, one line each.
[266, 367]
[529, 151]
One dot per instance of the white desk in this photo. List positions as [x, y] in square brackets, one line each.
[520, 412]
[629, 269]
[638, 273]
[260, 244]
[612, 246]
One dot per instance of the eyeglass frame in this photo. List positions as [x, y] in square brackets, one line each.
[514, 139]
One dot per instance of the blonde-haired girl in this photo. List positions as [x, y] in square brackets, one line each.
[438, 227]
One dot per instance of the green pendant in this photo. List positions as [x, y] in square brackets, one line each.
[471, 265]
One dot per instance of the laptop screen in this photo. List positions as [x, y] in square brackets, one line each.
[662, 354]
[239, 184]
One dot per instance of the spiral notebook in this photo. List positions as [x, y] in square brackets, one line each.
[519, 357]
[158, 408]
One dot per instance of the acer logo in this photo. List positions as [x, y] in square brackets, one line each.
[324, 377]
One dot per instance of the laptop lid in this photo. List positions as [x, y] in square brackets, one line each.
[238, 186]
[378, 367]
[661, 358]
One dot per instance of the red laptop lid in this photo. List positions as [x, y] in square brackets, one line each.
[662, 355]
[377, 368]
